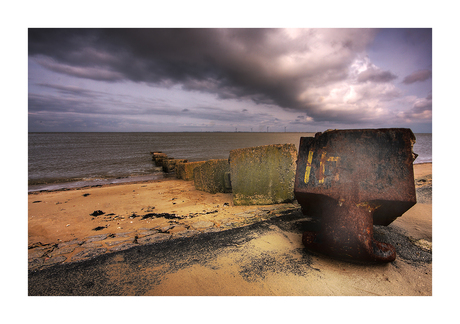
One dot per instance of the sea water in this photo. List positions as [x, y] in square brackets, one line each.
[66, 160]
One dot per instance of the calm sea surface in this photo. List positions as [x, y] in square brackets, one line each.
[64, 160]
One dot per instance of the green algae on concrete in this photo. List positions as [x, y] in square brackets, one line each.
[263, 175]
[212, 176]
[184, 170]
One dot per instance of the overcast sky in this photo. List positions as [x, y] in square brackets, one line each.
[229, 79]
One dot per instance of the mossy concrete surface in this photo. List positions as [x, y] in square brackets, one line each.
[184, 170]
[263, 175]
[211, 176]
[169, 165]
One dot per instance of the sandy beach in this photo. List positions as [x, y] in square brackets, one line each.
[167, 238]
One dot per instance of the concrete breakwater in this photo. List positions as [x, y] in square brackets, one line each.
[261, 175]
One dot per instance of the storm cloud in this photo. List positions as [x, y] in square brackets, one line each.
[322, 73]
[265, 65]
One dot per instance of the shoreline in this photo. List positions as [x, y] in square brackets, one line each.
[75, 227]
[75, 184]
[98, 182]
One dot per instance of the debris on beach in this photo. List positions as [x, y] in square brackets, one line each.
[97, 213]
[99, 228]
[165, 215]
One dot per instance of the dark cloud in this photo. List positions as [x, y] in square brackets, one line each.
[71, 90]
[93, 73]
[417, 76]
[269, 66]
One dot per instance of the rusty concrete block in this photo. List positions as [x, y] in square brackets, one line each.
[350, 180]
[211, 176]
[263, 175]
[184, 170]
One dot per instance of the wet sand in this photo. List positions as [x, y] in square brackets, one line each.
[203, 245]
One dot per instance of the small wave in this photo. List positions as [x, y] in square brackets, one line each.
[50, 181]
[89, 182]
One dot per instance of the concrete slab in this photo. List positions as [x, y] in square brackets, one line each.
[212, 176]
[263, 175]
